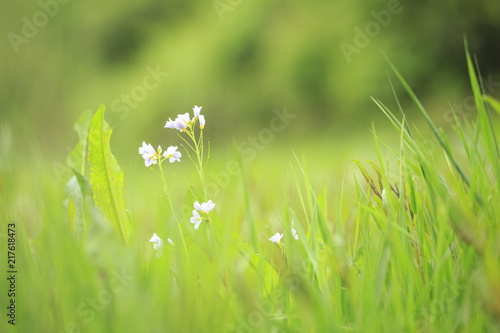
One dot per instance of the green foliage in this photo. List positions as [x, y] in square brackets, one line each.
[78, 187]
[78, 156]
[71, 214]
[106, 176]
[494, 103]
[411, 248]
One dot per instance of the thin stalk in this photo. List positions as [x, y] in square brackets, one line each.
[167, 192]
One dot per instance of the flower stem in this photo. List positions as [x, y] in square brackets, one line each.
[167, 192]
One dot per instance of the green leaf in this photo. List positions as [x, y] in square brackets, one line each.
[106, 176]
[76, 160]
[431, 124]
[78, 191]
[493, 102]
[72, 214]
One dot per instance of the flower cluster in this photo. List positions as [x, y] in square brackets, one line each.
[204, 208]
[158, 244]
[183, 122]
[152, 157]
[276, 238]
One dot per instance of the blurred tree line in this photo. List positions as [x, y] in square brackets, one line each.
[239, 59]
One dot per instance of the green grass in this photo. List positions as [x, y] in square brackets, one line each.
[409, 243]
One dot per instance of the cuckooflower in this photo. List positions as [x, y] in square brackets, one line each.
[172, 154]
[196, 219]
[180, 123]
[276, 238]
[294, 232]
[158, 246]
[204, 207]
[197, 110]
[170, 123]
[148, 153]
[202, 121]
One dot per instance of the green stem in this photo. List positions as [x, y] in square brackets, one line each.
[199, 156]
[167, 192]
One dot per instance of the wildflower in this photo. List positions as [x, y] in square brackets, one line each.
[205, 207]
[170, 124]
[172, 154]
[197, 110]
[158, 246]
[180, 123]
[148, 153]
[294, 232]
[196, 219]
[202, 121]
[170, 242]
[276, 238]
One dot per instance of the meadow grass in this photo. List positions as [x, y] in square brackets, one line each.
[408, 243]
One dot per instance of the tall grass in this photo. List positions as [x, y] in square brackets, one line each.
[415, 249]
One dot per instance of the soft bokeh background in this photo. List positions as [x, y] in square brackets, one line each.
[239, 65]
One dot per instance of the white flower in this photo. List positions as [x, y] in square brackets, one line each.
[148, 153]
[172, 154]
[202, 121]
[276, 238]
[170, 124]
[170, 241]
[294, 232]
[196, 220]
[204, 207]
[158, 246]
[197, 110]
[180, 123]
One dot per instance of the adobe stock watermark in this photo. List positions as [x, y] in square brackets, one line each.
[468, 106]
[222, 7]
[248, 150]
[256, 319]
[128, 101]
[463, 110]
[437, 308]
[121, 105]
[372, 29]
[88, 309]
[30, 27]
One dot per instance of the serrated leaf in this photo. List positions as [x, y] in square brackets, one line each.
[106, 176]
[76, 160]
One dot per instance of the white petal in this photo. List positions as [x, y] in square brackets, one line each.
[155, 238]
[196, 110]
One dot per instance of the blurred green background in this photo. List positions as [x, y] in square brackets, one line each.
[239, 59]
[239, 62]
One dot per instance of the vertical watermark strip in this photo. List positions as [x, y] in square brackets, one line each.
[11, 273]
